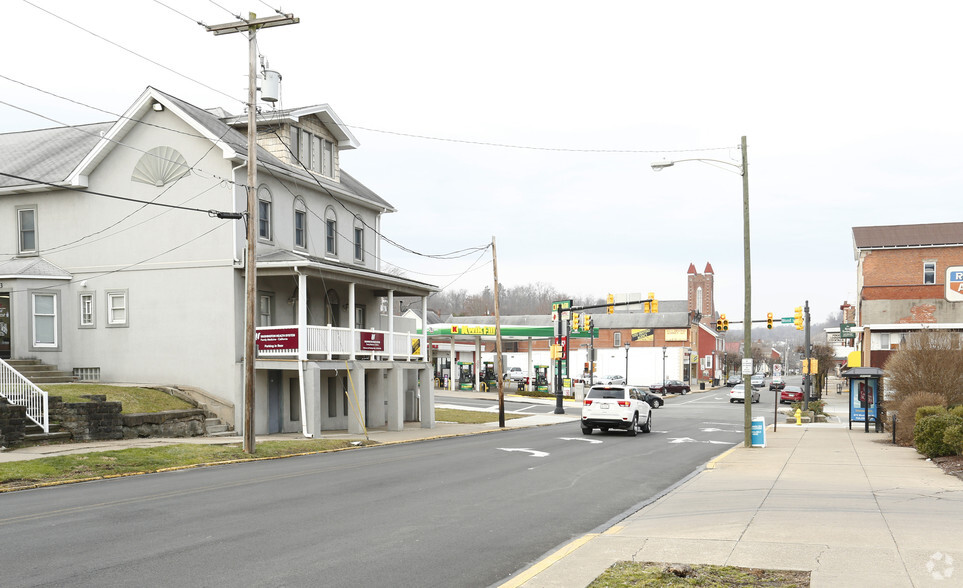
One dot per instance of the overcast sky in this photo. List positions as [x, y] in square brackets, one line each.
[851, 109]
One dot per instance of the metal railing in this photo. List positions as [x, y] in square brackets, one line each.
[330, 341]
[20, 391]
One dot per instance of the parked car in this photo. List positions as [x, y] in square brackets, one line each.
[777, 383]
[671, 387]
[733, 380]
[615, 407]
[791, 394]
[610, 380]
[516, 374]
[738, 394]
[758, 381]
[654, 400]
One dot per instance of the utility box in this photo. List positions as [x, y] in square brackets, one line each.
[758, 432]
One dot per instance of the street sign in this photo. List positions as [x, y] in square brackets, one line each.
[747, 366]
[845, 331]
[786, 320]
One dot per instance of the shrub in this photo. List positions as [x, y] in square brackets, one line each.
[906, 408]
[957, 410]
[816, 406]
[929, 432]
[953, 438]
[925, 411]
[930, 361]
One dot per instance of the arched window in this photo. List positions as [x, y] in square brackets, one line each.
[699, 299]
[330, 231]
[300, 224]
[358, 239]
[264, 213]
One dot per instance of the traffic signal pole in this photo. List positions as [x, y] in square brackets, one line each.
[808, 377]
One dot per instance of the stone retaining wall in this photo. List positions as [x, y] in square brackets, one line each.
[88, 421]
[169, 423]
[13, 423]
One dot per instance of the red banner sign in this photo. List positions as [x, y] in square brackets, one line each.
[277, 340]
[372, 341]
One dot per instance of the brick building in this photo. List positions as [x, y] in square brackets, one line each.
[903, 283]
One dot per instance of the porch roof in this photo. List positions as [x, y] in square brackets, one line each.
[283, 263]
[32, 267]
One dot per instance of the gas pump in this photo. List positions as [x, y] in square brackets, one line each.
[488, 375]
[541, 378]
[466, 375]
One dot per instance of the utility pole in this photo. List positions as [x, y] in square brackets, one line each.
[250, 26]
[747, 324]
[498, 343]
[808, 377]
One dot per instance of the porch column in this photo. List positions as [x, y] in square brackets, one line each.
[391, 325]
[302, 316]
[351, 325]
[427, 399]
[356, 400]
[396, 399]
[312, 401]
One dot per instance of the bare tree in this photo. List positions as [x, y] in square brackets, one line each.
[928, 361]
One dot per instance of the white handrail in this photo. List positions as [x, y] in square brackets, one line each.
[16, 388]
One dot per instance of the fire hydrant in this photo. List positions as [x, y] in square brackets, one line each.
[798, 417]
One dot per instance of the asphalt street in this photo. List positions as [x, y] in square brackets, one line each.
[465, 511]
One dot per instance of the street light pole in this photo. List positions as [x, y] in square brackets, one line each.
[663, 369]
[627, 345]
[743, 170]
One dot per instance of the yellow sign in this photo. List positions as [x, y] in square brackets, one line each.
[811, 367]
[415, 346]
[855, 359]
[556, 352]
[472, 330]
[676, 335]
[643, 334]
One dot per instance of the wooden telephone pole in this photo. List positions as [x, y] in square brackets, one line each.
[251, 26]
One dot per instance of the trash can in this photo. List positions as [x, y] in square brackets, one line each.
[702, 385]
[758, 431]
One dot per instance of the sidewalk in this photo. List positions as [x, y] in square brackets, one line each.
[849, 506]
[412, 432]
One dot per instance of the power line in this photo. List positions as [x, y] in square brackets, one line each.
[209, 212]
[534, 148]
[132, 52]
[121, 143]
[195, 21]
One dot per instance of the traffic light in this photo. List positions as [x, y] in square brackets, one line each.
[574, 321]
[610, 309]
[769, 320]
[798, 318]
[586, 322]
[646, 306]
[591, 324]
[719, 323]
[725, 323]
[655, 306]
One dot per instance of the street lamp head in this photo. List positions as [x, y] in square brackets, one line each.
[661, 165]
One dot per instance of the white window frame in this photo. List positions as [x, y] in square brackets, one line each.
[54, 317]
[117, 301]
[358, 243]
[300, 234]
[330, 232]
[929, 272]
[21, 249]
[87, 314]
[327, 158]
[265, 309]
[360, 316]
[617, 339]
[265, 222]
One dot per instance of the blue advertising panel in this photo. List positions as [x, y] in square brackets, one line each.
[863, 397]
[758, 432]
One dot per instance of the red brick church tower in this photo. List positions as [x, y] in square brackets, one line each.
[701, 293]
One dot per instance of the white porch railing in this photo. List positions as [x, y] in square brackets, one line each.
[19, 390]
[338, 341]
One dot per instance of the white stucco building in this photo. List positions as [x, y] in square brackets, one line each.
[114, 264]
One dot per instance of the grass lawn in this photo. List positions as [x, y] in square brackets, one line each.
[100, 464]
[134, 399]
[454, 415]
[648, 574]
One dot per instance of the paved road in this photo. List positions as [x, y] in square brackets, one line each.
[467, 511]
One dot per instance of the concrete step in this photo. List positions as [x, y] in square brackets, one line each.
[215, 428]
[50, 378]
[52, 436]
[223, 434]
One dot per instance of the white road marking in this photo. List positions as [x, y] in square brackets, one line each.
[714, 430]
[690, 440]
[532, 451]
[580, 439]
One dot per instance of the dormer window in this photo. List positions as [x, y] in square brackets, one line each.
[313, 152]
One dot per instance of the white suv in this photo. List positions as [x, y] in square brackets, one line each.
[616, 407]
